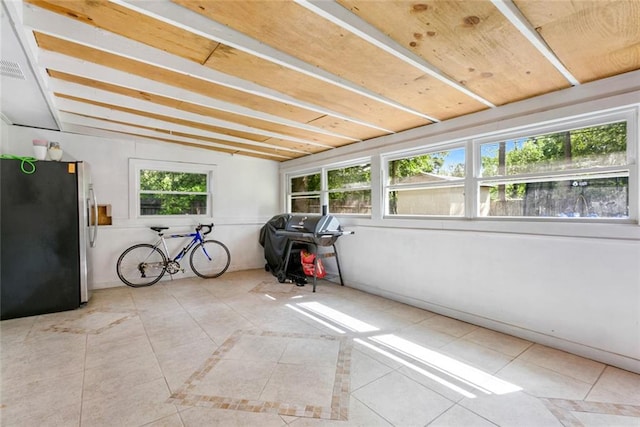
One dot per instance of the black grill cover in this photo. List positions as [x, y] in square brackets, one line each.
[274, 245]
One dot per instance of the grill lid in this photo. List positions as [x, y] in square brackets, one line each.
[316, 224]
[321, 230]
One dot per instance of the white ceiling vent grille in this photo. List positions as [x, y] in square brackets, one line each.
[11, 69]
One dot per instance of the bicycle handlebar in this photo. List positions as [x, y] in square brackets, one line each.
[209, 226]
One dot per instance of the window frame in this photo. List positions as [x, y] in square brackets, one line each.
[387, 187]
[291, 194]
[542, 119]
[324, 185]
[369, 187]
[137, 165]
[628, 115]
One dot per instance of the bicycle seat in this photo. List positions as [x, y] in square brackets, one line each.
[159, 229]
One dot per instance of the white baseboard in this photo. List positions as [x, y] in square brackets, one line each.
[188, 273]
[601, 355]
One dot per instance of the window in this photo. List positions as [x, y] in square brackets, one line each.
[429, 183]
[345, 190]
[579, 172]
[581, 169]
[171, 189]
[305, 193]
[350, 189]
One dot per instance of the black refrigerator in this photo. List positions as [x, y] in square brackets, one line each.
[45, 235]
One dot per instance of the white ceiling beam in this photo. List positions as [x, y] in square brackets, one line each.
[90, 70]
[137, 136]
[335, 13]
[513, 14]
[178, 16]
[81, 111]
[87, 35]
[81, 108]
[67, 64]
[126, 131]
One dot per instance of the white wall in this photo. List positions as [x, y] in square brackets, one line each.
[245, 194]
[573, 286]
[4, 135]
[579, 294]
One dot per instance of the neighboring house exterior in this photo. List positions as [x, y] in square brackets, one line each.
[440, 200]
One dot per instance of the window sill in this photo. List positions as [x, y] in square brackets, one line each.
[619, 230]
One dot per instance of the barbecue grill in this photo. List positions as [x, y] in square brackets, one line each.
[320, 230]
[284, 233]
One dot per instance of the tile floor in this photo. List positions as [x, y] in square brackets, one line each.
[245, 350]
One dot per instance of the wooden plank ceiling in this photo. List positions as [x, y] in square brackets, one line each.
[284, 79]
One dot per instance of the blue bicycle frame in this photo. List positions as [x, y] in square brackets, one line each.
[197, 238]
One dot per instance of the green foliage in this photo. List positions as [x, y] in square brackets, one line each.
[183, 182]
[608, 143]
[589, 147]
[431, 163]
[349, 177]
[350, 199]
[306, 183]
[167, 187]
[598, 145]
[412, 166]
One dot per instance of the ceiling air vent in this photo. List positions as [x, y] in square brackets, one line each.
[11, 69]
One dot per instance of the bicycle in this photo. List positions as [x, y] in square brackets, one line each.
[144, 264]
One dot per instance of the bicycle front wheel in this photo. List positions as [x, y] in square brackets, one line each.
[141, 265]
[210, 259]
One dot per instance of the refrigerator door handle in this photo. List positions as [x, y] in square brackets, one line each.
[94, 233]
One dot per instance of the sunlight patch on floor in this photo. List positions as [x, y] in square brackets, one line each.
[462, 372]
[342, 319]
[436, 366]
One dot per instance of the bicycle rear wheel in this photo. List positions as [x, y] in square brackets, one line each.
[210, 259]
[141, 265]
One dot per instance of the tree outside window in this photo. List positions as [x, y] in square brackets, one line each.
[350, 190]
[305, 193]
[173, 193]
[529, 183]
